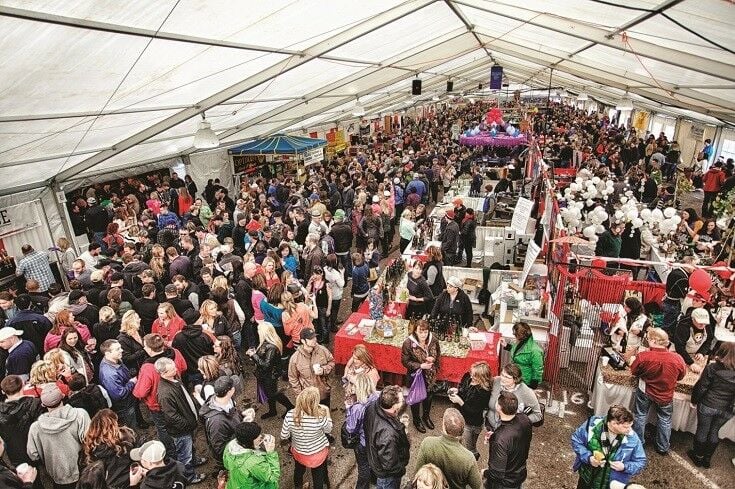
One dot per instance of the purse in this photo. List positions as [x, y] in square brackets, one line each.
[373, 275]
[349, 440]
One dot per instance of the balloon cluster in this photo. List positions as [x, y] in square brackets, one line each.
[585, 202]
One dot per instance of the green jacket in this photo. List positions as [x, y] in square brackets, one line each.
[456, 462]
[530, 358]
[251, 468]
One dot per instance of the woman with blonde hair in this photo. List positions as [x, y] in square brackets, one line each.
[209, 369]
[473, 396]
[307, 425]
[364, 394]
[110, 443]
[68, 255]
[211, 319]
[270, 274]
[47, 371]
[131, 342]
[360, 363]
[221, 282]
[158, 261]
[108, 326]
[168, 322]
[268, 369]
[429, 476]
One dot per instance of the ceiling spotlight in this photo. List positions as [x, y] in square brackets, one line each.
[205, 137]
[435, 98]
[582, 97]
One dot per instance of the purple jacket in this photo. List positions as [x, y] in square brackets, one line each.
[355, 415]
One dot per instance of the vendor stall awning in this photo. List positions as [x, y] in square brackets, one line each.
[279, 144]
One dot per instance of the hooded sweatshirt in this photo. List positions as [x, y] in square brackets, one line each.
[251, 468]
[193, 344]
[56, 439]
[16, 418]
[170, 476]
[219, 423]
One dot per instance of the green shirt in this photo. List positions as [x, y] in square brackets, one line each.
[456, 462]
[251, 468]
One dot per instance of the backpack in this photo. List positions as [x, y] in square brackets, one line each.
[327, 244]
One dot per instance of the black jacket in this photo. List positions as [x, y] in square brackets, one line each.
[268, 368]
[178, 416]
[193, 344]
[116, 466]
[342, 234]
[170, 476]
[133, 353]
[450, 242]
[677, 284]
[244, 297]
[683, 331]
[476, 400]
[88, 316]
[16, 418]
[461, 309]
[97, 219]
[35, 326]
[219, 426]
[106, 331]
[439, 284]
[509, 446]
[9, 479]
[468, 234]
[147, 309]
[127, 296]
[716, 387]
[387, 443]
[93, 293]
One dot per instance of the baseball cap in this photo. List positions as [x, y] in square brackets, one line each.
[339, 214]
[454, 282]
[307, 334]
[91, 200]
[51, 396]
[376, 199]
[699, 315]
[152, 451]
[9, 331]
[450, 214]
[116, 277]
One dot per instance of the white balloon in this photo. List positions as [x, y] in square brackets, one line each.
[599, 229]
[623, 199]
[619, 215]
[631, 214]
[676, 219]
[604, 216]
[574, 222]
[589, 202]
[636, 222]
[594, 239]
[589, 231]
[595, 180]
[629, 193]
[646, 214]
[657, 215]
[669, 212]
[609, 184]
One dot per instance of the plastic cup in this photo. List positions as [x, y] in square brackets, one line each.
[605, 361]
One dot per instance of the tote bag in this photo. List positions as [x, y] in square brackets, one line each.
[417, 391]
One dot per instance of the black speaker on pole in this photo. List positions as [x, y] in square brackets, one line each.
[416, 87]
[450, 86]
[479, 86]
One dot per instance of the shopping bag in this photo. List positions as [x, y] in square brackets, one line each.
[262, 396]
[417, 391]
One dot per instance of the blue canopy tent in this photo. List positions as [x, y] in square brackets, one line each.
[278, 144]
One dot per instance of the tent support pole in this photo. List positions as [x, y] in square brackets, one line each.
[65, 217]
[64, 279]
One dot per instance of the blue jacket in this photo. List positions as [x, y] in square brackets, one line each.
[360, 284]
[631, 451]
[397, 195]
[418, 185]
[116, 381]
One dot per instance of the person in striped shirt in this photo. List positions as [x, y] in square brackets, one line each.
[307, 426]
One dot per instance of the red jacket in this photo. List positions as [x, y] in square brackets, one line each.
[168, 333]
[146, 388]
[660, 370]
[713, 180]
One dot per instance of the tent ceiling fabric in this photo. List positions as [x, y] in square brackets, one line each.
[97, 85]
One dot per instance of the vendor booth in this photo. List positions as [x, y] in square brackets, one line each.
[276, 155]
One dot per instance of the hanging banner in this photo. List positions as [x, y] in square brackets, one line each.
[313, 156]
[531, 254]
[641, 119]
[18, 218]
[521, 215]
[496, 77]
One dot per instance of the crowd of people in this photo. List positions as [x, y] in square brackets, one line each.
[181, 299]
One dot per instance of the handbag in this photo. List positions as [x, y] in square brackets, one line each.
[349, 440]
[417, 391]
[373, 274]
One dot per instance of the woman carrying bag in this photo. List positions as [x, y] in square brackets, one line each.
[420, 355]
[267, 358]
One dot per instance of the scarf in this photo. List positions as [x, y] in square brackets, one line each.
[601, 442]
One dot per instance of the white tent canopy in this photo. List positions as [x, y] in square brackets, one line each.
[95, 87]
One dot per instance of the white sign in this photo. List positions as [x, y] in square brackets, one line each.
[313, 156]
[17, 219]
[531, 255]
[521, 215]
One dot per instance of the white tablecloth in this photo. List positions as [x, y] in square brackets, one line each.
[684, 418]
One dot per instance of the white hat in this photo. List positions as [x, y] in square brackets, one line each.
[386, 193]
[396, 181]
[454, 282]
[152, 451]
[376, 199]
[699, 315]
[8, 331]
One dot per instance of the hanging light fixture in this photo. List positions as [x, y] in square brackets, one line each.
[625, 103]
[582, 97]
[358, 110]
[205, 137]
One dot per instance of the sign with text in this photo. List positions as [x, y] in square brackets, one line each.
[313, 156]
[496, 77]
[521, 215]
[18, 218]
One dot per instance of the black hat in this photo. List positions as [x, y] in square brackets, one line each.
[102, 263]
[75, 295]
[23, 301]
[307, 334]
[116, 277]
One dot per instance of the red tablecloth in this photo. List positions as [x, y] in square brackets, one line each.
[388, 358]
